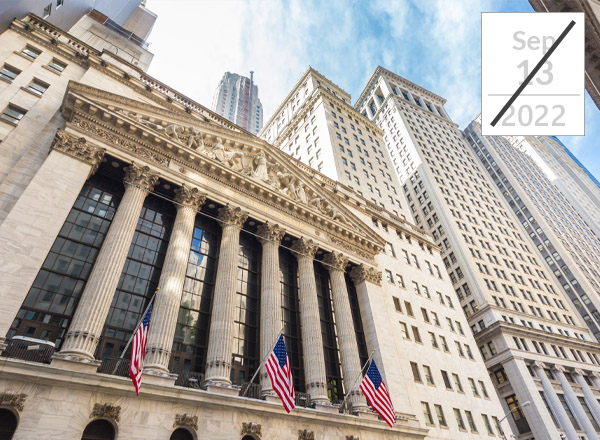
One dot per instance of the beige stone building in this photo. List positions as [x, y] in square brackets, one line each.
[542, 358]
[112, 185]
[445, 379]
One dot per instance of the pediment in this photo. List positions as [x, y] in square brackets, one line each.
[165, 136]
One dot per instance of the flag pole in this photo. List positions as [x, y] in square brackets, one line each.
[134, 330]
[358, 378]
[263, 361]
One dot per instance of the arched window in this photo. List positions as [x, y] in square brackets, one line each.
[8, 424]
[181, 434]
[248, 437]
[99, 430]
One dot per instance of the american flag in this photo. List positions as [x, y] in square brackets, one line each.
[377, 394]
[278, 367]
[138, 351]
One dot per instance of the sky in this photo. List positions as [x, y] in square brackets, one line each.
[433, 43]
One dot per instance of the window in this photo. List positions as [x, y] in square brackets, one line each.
[389, 276]
[498, 427]
[434, 342]
[416, 334]
[13, 114]
[446, 380]
[57, 66]
[500, 376]
[31, 52]
[59, 3]
[471, 421]
[9, 73]
[440, 415]
[457, 383]
[397, 304]
[408, 307]
[486, 422]
[427, 413]
[404, 330]
[47, 11]
[444, 344]
[459, 419]
[473, 387]
[428, 375]
[38, 87]
[415, 371]
[483, 390]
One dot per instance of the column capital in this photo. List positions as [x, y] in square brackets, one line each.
[230, 215]
[362, 273]
[269, 232]
[539, 364]
[78, 148]
[558, 368]
[335, 261]
[140, 176]
[578, 371]
[595, 374]
[189, 197]
[304, 247]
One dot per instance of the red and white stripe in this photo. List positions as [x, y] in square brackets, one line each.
[281, 379]
[379, 400]
[138, 354]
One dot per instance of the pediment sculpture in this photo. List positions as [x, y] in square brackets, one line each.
[253, 163]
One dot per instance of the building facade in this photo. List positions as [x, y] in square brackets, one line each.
[446, 380]
[541, 357]
[567, 244]
[116, 190]
[236, 98]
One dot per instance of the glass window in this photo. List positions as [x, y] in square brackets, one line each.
[13, 114]
[416, 373]
[440, 415]
[57, 66]
[9, 73]
[31, 52]
[428, 375]
[471, 422]
[459, 420]
[37, 86]
[486, 422]
[427, 413]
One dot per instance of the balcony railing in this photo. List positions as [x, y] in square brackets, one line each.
[303, 400]
[189, 379]
[29, 349]
[114, 366]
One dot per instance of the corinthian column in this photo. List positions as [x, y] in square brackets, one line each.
[218, 363]
[172, 277]
[270, 298]
[344, 324]
[86, 327]
[312, 339]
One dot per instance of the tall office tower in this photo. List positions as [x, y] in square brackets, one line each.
[430, 363]
[591, 8]
[534, 349]
[569, 175]
[236, 98]
[565, 241]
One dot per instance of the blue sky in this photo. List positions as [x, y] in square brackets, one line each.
[434, 43]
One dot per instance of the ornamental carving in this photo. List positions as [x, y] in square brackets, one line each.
[118, 141]
[348, 246]
[78, 148]
[269, 232]
[13, 400]
[335, 261]
[189, 197]
[363, 273]
[305, 248]
[140, 176]
[186, 420]
[230, 215]
[250, 161]
[106, 411]
[251, 428]
[306, 434]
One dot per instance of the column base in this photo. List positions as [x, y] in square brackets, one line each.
[327, 407]
[220, 388]
[155, 377]
[76, 363]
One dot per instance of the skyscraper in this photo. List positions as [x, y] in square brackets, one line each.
[533, 342]
[236, 98]
[447, 385]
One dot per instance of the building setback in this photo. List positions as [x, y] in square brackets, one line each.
[236, 98]
[446, 383]
[565, 241]
[537, 351]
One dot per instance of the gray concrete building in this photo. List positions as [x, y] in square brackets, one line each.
[541, 357]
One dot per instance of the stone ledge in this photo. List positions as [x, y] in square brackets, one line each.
[75, 363]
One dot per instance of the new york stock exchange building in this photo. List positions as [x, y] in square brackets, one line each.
[116, 190]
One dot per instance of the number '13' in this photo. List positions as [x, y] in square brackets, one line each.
[545, 71]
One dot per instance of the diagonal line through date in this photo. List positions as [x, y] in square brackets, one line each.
[533, 73]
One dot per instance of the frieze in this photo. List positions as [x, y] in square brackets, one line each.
[362, 273]
[13, 400]
[78, 148]
[106, 411]
[251, 428]
[186, 420]
[111, 138]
